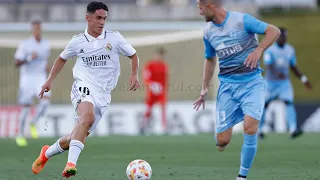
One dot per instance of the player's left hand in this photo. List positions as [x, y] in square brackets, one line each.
[308, 85]
[253, 58]
[34, 55]
[201, 100]
[134, 82]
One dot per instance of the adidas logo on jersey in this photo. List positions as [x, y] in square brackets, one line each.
[81, 51]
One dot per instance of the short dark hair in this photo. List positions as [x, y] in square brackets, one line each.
[283, 31]
[36, 20]
[96, 5]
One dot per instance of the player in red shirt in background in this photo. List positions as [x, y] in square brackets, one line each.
[155, 75]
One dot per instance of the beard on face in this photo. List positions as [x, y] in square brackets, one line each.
[208, 19]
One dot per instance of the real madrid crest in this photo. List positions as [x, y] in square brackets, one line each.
[109, 47]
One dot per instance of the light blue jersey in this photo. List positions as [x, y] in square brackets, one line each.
[242, 89]
[280, 58]
[232, 42]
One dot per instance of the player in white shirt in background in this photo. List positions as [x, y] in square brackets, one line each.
[96, 73]
[32, 59]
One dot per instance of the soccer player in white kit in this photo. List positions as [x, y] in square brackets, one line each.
[96, 73]
[32, 59]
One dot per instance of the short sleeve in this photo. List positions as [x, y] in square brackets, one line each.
[69, 50]
[267, 58]
[20, 53]
[124, 47]
[293, 59]
[209, 51]
[253, 25]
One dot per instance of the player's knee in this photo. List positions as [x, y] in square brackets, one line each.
[250, 125]
[87, 119]
[251, 130]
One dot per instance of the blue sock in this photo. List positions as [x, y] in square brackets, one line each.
[248, 152]
[291, 117]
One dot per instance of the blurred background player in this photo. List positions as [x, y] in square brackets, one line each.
[278, 59]
[32, 59]
[155, 74]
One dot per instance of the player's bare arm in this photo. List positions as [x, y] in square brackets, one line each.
[57, 67]
[209, 66]
[271, 35]
[134, 80]
[302, 77]
[18, 62]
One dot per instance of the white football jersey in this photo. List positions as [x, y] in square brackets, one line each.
[37, 67]
[97, 61]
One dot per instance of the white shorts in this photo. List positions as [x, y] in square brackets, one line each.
[100, 99]
[29, 89]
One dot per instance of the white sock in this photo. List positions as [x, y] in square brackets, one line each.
[41, 109]
[240, 178]
[54, 149]
[22, 119]
[75, 148]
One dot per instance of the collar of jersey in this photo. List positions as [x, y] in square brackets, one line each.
[34, 39]
[279, 47]
[224, 21]
[90, 38]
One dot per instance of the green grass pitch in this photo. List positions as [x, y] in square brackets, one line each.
[171, 158]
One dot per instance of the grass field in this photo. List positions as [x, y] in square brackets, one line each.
[172, 158]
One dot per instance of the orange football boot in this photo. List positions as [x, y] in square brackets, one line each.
[69, 170]
[39, 163]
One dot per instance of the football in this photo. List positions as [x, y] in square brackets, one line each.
[139, 170]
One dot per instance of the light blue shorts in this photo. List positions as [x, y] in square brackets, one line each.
[235, 100]
[281, 90]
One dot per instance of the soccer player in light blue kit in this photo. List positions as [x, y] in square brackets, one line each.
[278, 59]
[231, 37]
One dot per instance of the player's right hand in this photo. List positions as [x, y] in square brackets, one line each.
[201, 100]
[45, 88]
[134, 82]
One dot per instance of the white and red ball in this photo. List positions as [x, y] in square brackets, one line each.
[139, 170]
